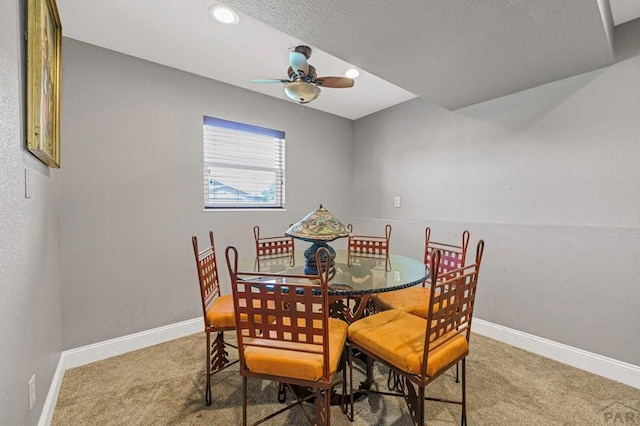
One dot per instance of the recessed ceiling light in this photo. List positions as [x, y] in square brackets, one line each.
[224, 14]
[352, 73]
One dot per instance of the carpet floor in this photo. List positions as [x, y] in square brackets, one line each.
[164, 385]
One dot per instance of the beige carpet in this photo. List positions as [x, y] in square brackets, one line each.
[164, 385]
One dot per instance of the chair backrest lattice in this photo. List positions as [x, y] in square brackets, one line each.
[281, 311]
[368, 245]
[207, 272]
[451, 256]
[452, 300]
[273, 246]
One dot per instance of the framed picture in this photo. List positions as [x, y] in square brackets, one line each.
[44, 42]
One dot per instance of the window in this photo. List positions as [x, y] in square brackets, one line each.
[243, 165]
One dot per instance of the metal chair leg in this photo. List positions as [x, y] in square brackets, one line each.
[207, 391]
[350, 415]
[394, 382]
[464, 394]
[326, 408]
[343, 397]
[282, 392]
[244, 401]
[421, 405]
[216, 360]
[322, 407]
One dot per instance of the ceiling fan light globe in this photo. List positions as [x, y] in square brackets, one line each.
[301, 91]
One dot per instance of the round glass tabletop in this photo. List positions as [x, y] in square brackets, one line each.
[366, 275]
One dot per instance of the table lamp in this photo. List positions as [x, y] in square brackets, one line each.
[318, 228]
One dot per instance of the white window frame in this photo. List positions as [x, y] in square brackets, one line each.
[243, 166]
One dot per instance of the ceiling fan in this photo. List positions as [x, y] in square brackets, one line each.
[303, 84]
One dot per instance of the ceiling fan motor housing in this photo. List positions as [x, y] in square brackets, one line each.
[310, 77]
[305, 50]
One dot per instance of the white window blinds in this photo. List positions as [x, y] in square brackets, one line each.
[243, 165]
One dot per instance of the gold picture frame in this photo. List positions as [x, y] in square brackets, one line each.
[44, 43]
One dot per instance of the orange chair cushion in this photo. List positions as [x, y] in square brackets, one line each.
[398, 338]
[277, 361]
[221, 314]
[413, 300]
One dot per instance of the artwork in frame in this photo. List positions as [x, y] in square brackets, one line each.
[44, 42]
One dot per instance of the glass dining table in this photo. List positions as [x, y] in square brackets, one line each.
[352, 281]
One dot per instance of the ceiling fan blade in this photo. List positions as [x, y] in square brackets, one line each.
[270, 80]
[335, 82]
[299, 63]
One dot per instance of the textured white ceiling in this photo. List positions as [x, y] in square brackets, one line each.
[452, 52]
[181, 34]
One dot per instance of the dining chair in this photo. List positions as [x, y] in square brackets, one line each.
[217, 311]
[275, 247]
[419, 349]
[415, 300]
[368, 246]
[285, 335]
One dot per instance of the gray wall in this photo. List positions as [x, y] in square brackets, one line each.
[131, 187]
[547, 177]
[29, 284]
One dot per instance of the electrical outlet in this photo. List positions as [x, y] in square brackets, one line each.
[32, 392]
[396, 201]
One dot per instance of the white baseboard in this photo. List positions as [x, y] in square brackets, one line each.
[610, 368]
[52, 396]
[102, 350]
[120, 345]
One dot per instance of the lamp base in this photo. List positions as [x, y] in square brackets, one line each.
[311, 267]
